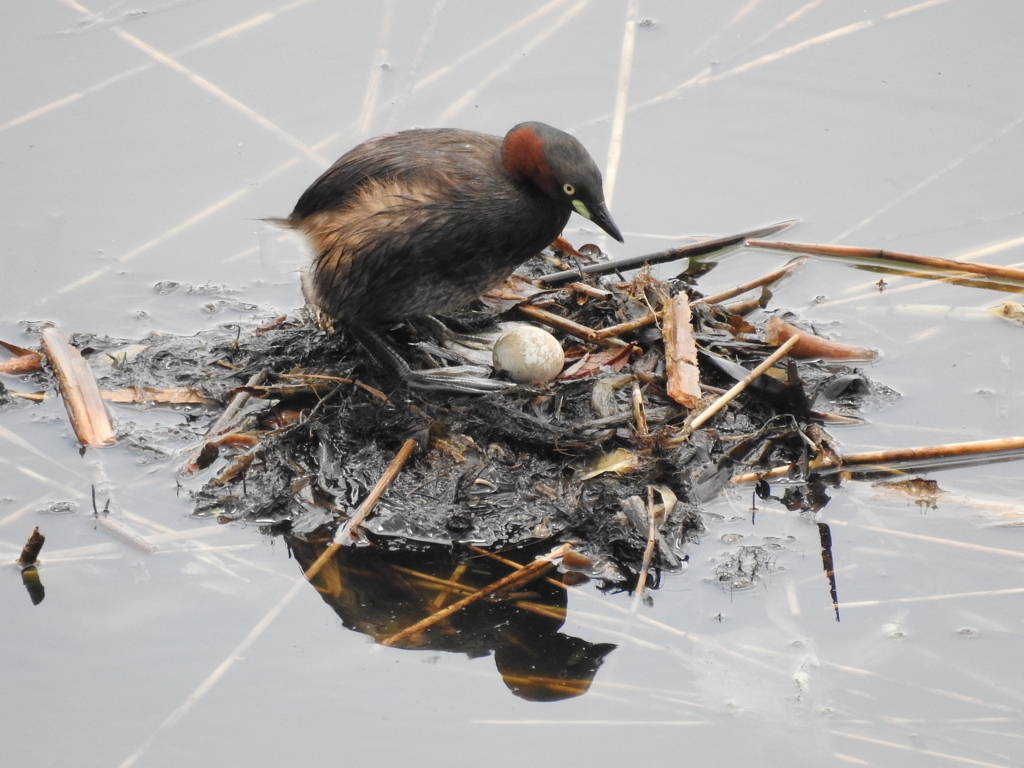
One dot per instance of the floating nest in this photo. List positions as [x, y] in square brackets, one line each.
[294, 423]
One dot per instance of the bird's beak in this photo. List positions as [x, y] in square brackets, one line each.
[600, 216]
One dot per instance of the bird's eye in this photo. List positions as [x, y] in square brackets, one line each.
[569, 189]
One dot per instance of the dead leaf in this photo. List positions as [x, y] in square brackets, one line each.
[620, 461]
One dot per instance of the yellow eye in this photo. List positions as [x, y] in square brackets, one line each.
[569, 189]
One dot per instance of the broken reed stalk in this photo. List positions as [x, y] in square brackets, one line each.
[629, 325]
[525, 575]
[35, 397]
[808, 345]
[744, 307]
[345, 532]
[340, 380]
[589, 291]
[771, 277]
[875, 254]
[24, 360]
[639, 414]
[167, 396]
[124, 535]
[222, 424]
[652, 543]
[896, 455]
[568, 326]
[682, 375]
[81, 394]
[672, 254]
[741, 385]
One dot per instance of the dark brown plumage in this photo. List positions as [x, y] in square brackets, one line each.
[424, 221]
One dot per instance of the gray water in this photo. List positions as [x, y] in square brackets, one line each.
[137, 148]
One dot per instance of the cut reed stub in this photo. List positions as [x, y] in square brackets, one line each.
[777, 332]
[30, 553]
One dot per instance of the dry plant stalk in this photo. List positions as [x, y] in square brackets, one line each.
[850, 252]
[222, 424]
[81, 394]
[682, 373]
[639, 414]
[779, 331]
[523, 576]
[24, 360]
[167, 396]
[235, 467]
[590, 291]
[652, 543]
[571, 327]
[345, 532]
[741, 385]
[744, 307]
[921, 453]
[629, 325]
[771, 277]
[125, 535]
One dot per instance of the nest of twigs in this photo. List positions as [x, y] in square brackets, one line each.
[602, 455]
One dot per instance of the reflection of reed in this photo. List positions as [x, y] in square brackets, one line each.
[431, 597]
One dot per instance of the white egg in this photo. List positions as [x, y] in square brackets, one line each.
[528, 354]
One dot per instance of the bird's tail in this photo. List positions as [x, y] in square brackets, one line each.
[278, 222]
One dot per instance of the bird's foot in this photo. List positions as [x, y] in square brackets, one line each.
[464, 379]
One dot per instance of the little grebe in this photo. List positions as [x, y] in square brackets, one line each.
[423, 221]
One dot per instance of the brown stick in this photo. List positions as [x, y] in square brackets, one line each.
[365, 508]
[528, 573]
[922, 453]
[222, 424]
[744, 307]
[849, 252]
[771, 277]
[24, 360]
[808, 345]
[629, 325]
[638, 411]
[568, 326]
[682, 374]
[168, 395]
[741, 385]
[652, 542]
[589, 291]
[81, 394]
[35, 397]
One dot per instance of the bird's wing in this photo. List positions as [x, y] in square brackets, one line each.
[405, 156]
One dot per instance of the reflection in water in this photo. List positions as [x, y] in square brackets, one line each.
[34, 585]
[383, 588]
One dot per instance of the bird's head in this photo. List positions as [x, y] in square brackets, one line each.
[561, 167]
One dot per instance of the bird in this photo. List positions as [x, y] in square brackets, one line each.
[421, 222]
